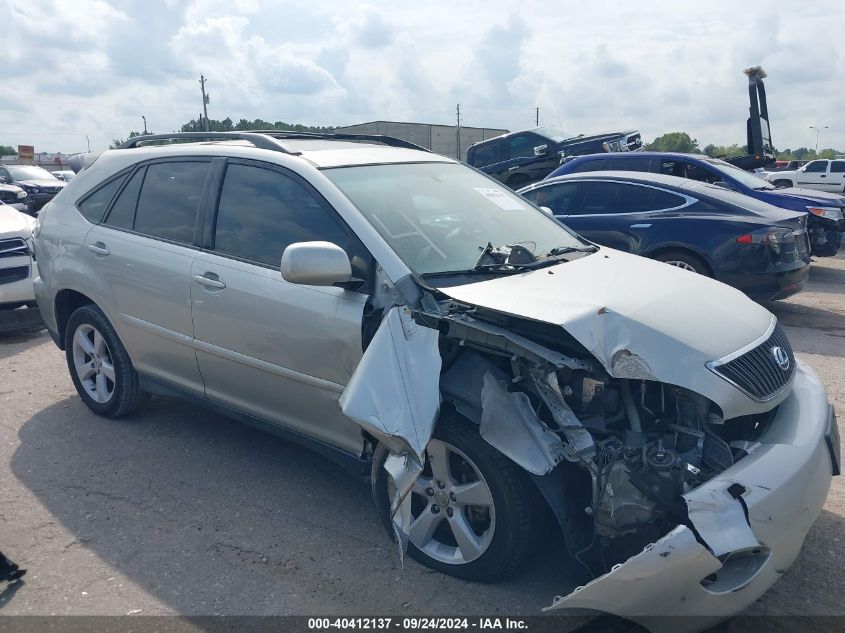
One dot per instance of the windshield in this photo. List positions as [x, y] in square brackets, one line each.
[552, 132]
[29, 172]
[440, 217]
[743, 177]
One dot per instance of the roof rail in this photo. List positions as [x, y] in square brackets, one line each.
[259, 140]
[392, 141]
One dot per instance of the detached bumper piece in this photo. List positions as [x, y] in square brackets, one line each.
[750, 523]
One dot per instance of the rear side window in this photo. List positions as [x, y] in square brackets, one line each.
[262, 211]
[486, 155]
[630, 164]
[561, 199]
[94, 206]
[596, 164]
[617, 197]
[122, 212]
[837, 167]
[169, 200]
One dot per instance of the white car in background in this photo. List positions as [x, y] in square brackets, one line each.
[17, 270]
[14, 196]
[824, 175]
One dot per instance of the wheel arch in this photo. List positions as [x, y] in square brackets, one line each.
[65, 303]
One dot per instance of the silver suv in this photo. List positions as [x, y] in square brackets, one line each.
[407, 315]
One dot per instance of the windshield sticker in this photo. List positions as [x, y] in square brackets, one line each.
[501, 199]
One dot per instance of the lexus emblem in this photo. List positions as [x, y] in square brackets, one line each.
[781, 358]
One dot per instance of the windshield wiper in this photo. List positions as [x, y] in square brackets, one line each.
[561, 250]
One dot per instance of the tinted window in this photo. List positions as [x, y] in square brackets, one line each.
[522, 146]
[704, 175]
[170, 197]
[262, 211]
[672, 168]
[630, 164]
[837, 167]
[816, 167]
[561, 199]
[615, 197]
[94, 206]
[589, 165]
[485, 155]
[122, 211]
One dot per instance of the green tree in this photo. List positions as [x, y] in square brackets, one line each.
[7, 150]
[675, 142]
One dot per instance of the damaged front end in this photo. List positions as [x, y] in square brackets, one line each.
[632, 468]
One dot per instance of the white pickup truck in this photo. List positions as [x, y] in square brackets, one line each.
[824, 175]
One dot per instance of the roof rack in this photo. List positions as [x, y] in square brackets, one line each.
[392, 141]
[268, 139]
[261, 141]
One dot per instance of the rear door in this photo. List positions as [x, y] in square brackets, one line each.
[279, 351]
[139, 261]
[836, 176]
[624, 216]
[814, 175]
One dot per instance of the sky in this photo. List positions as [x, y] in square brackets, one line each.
[94, 67]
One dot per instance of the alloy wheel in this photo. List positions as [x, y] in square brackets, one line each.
[93, 362]
[680, 264]
[452, 512]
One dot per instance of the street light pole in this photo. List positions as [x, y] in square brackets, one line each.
[145, 123]
[818, 131]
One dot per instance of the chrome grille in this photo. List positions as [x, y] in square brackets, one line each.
[15, 247]
[11, 275]
[757, 372]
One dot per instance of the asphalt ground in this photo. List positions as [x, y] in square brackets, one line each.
[176, 510]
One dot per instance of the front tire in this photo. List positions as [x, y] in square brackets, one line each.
[473, 510]
[782, 184]
[99, 364]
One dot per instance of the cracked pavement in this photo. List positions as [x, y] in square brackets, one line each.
[176, 510]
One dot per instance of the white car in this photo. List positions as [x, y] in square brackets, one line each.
[14, 196]
[824, 175]
[17, 270]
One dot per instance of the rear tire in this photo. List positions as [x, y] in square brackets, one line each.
[99, 364]
[782, 184]
[685, 260]
[503, 525]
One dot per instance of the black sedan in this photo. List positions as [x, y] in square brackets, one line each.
[750, 245]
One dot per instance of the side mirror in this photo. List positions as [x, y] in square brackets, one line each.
[541, 150]
[3, 180]
[315, 264]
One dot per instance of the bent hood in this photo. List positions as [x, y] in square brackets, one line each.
[640, 318]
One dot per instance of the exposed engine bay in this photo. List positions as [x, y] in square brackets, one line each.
[633, 446]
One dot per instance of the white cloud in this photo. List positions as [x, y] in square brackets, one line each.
[93, 67]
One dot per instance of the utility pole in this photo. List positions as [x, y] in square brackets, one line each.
[537, 116]
[818, 131]
[88, 140]
[205, 101]
[145, 123]
[458, 132]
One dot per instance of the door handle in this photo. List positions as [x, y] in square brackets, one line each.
[209, 282]
[98, 248]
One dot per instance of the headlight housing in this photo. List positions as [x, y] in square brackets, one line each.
[829, 213]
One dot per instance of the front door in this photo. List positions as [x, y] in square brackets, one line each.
[813, 175]
[279, 351]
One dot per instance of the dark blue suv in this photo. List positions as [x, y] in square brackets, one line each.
[826, 210]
